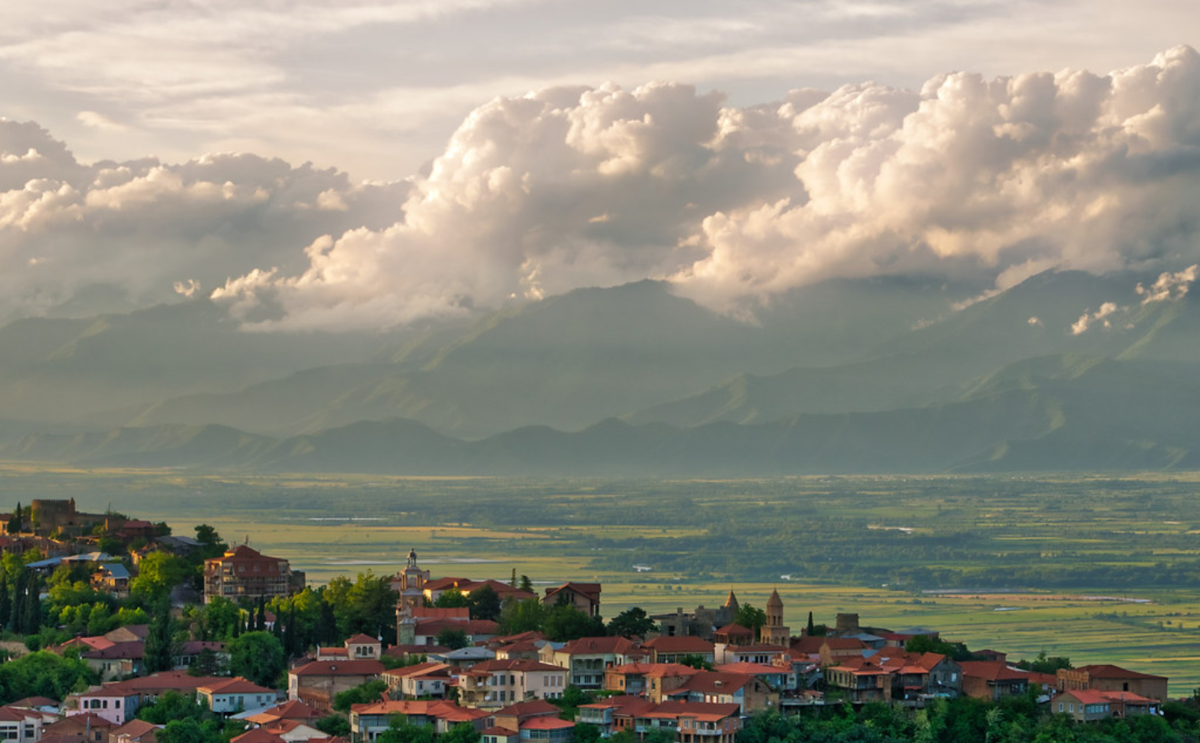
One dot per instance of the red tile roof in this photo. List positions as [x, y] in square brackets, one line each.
[258, 735]
[1106, 671]
[499, 732]
[456, 612]
[135, 650]
[599, 645]
[158, 682]
[532, 707]
[340, 668]
[293, 710]
[35, 702]
[734, 629]
[707, 711]
[716, 682]
[361, 639]
[134, 729]
[513, 664]
[470, 626]
[546, 723]
[428, 668]
[751, 669]
[236, 685]
[992, 670]
[427, 707]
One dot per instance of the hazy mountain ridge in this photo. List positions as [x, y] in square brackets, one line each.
[1037, 414]
[1005, 383]
[567, 361]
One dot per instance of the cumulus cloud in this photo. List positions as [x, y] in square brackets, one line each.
[566, 187]
[151, 230]
[572, 187]
[1169, 286]
[1102, 315]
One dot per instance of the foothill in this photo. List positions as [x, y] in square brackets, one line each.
[119, 631]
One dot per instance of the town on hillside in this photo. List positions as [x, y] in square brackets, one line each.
[117, 631]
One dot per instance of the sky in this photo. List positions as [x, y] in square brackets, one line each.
[371, 163]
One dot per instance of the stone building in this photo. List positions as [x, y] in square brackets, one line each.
[245, 573]
[774, 632]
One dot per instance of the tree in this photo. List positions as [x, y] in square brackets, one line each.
[463, 732]
[485, 603]
[5, 601]
[14, 524]
[158, 573]
[364, 693]
[159, 651]
[925, 644]
[522, 616]
[110, 545]
[571, 700]
[257, 656]
[632, 623]
[453, 638]
[190, 730]
[400, 730]
[751, 617]
[31, 609]
[564, 623]
[20, 594]
[368, 605]
[43, 674]
[526, 584]
[326, 630]
[1044, 664]
[173, 706]
[696, 660]
[452, 599]
[215, 620]
[586, 733]
[211, 544]
[207, 663]
[335, 726]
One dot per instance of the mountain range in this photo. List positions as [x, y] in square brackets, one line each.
[1064, 371]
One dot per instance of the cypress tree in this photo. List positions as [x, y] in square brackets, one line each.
[5, 601]
[158, 655]
[17, 620]
[291, 642]
[811, 627]
[32, 609]
[327, 627]
[14, 526]
[260, 623]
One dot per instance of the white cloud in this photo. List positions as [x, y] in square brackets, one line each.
[574, 186]
[1005, 177]
[152, 230]
[1102, 315]
[1169, 286]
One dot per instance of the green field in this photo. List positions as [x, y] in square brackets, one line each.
[1033, 558]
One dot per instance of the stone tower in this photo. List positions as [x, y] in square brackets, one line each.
[728, 613]
[774, 632]
[412, 596]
